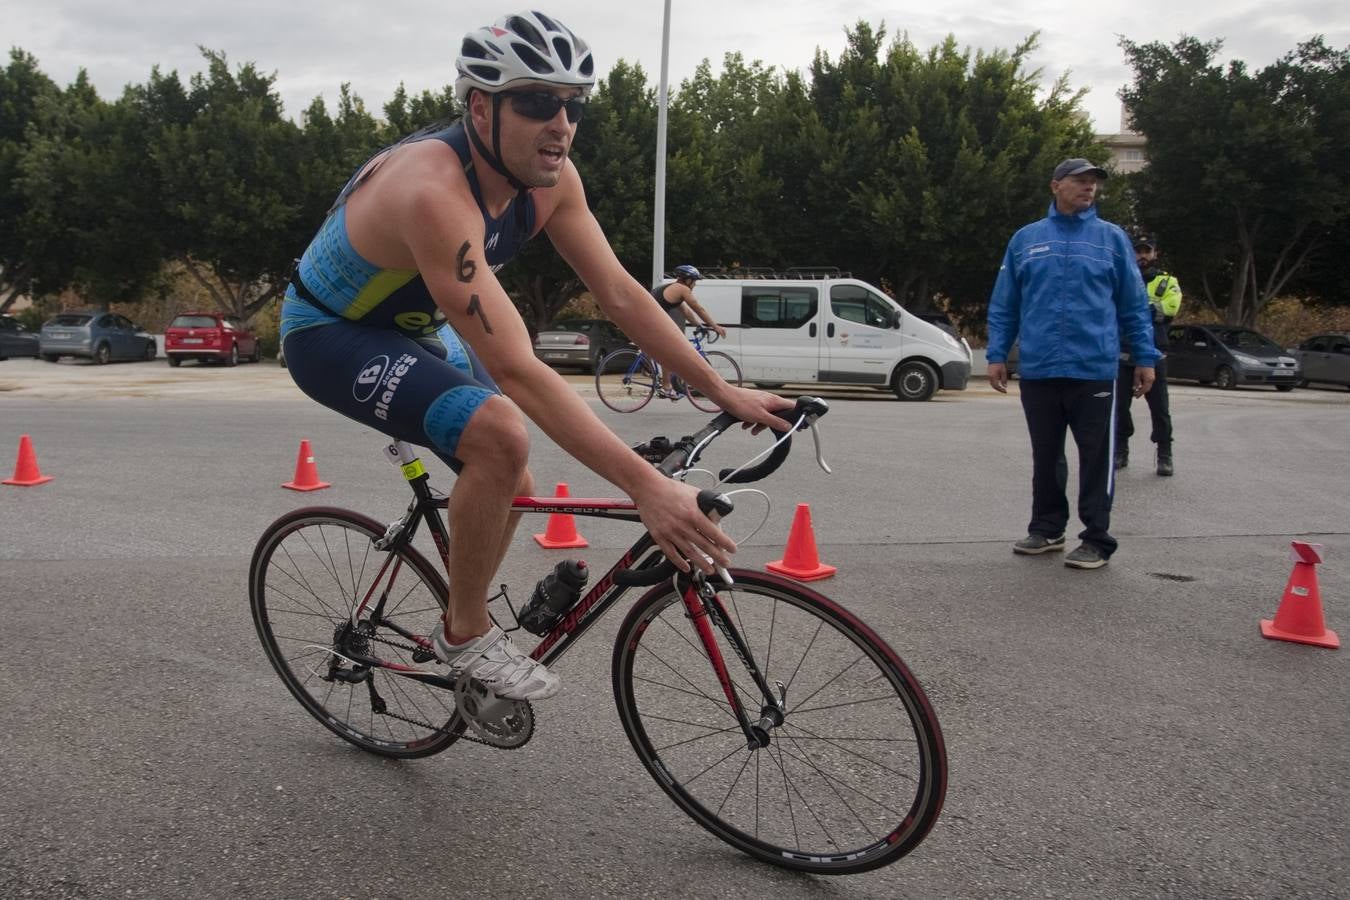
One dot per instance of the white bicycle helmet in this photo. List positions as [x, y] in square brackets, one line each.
[523, 48]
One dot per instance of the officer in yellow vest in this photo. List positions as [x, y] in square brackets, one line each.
[1164, 297]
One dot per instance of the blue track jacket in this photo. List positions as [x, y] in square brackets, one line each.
[1069, 289]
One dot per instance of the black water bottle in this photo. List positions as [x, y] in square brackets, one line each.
[554, 595]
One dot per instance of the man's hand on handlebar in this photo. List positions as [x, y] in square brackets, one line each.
[755, 408]
[669, 510]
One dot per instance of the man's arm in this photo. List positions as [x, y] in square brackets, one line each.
[1005, 305]
[1169, 300]
[700, 314]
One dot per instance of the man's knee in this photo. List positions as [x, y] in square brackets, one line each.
[496, 436]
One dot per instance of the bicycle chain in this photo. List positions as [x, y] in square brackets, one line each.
[466, 734]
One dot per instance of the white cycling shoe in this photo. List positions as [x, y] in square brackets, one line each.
[498, 665]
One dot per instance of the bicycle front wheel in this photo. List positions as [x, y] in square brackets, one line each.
[310, 570]
[851, 778]
[626, 380]
[729, 372]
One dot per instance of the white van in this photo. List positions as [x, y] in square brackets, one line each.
[793, 328]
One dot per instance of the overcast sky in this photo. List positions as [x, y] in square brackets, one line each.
[313, 46]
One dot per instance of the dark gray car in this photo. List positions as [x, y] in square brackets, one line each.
[100, 336]
[1227, 356]
[15, 339]
[1325, 359]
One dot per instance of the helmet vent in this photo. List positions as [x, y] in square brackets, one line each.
[532, 59]
[563, 50]
[524, 29]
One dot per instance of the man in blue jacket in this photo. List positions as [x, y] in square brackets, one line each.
[1069, 290]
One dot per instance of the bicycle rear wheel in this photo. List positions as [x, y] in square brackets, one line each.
[854, 776]
[310, 570]
[725, 367]
[626, 382]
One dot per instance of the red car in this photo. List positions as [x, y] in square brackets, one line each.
[209, 336]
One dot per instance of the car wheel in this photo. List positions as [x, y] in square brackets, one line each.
[102, 353]
[233, 359]
[51, 357]
[1303, 382]
[1224, 379]
[175, 361]
[1284, 388]
[151, 351]
[914, 381]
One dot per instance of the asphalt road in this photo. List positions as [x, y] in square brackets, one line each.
[1125, 732]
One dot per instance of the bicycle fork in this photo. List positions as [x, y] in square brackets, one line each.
[701, 603]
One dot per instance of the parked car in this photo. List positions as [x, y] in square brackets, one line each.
[101, 336]
[579, 342]
[15, 339]
[1227, 356]
[209, 336]
[1325, 359]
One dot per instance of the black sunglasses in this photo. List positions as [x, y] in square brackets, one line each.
[542, 106]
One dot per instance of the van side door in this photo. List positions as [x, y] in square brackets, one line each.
[780, 332]
[859, 345]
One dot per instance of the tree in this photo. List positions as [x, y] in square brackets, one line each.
[234, 199]
[90, 222]
[1248, 182]
[23, 88]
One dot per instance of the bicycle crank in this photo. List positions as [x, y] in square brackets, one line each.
[497, 721]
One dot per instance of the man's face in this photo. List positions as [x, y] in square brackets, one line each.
[534, 151]
[1075, 193]
[1145, 256]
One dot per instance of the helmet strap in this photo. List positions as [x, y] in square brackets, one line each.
[493, 157]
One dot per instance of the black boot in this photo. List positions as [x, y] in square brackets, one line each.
[1122, 456]
[1164, 459]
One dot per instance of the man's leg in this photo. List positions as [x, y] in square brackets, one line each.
[1091, 408]
[494, 449]
[1124, 421]
[1046, 422]
[1159, 408]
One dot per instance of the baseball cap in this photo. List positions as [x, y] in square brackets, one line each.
[1146, 242]
[1077, 167]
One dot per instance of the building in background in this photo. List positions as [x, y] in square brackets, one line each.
[1127, 148]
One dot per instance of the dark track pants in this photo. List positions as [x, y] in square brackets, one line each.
[1085, 408]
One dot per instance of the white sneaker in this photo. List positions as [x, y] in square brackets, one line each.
[499, 665]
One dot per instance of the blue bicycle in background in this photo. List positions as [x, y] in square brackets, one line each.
[627, 380]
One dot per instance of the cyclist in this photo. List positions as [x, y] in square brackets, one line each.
[675, 297]
[396, 319]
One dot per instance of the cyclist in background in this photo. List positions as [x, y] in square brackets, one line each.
[396, 319]
[675, 298]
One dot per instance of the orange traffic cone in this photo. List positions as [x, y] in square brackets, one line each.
[306, 473]
[800, 560]
[1299, 618]
[26, 472]
[562, 528]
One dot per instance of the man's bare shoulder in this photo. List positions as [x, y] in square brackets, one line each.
[422, 169]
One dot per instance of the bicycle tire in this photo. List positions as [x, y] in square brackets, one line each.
[308, 571]
[859, 736]
[624, 383]
[725, 367]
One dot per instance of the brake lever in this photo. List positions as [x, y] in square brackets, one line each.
[820, 455]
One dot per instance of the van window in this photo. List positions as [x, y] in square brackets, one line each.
[769, 306]
[856, 304]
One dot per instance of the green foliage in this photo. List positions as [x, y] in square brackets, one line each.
[1248, 185]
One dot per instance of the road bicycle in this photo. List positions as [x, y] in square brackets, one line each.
[627, 379]
[767, 712]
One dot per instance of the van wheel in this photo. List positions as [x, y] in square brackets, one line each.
[768, 385]
[915, 381]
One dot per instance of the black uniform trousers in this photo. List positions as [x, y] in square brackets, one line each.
[1087, 410]
[1159, 409]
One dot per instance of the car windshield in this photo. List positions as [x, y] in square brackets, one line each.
[586, 327]
[1243, 339]
[193, 322]
[70, 321]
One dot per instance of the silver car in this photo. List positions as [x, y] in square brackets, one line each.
[1325, 359]
[100, 336]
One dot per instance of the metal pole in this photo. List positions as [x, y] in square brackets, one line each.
[659, 225]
